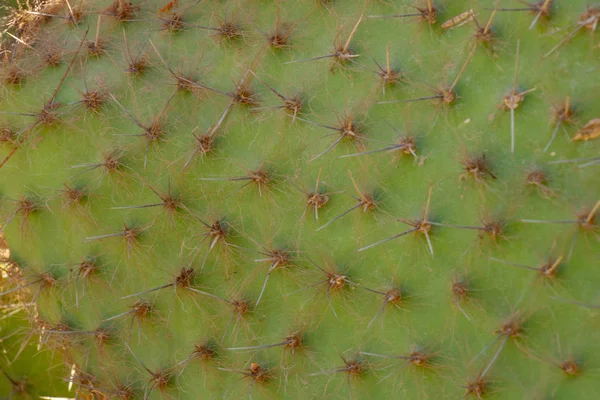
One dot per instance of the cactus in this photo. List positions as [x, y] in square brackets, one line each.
[215, 199]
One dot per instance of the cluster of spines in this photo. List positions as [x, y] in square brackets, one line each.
[477, 167]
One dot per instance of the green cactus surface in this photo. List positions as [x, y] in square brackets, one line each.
[300, 199]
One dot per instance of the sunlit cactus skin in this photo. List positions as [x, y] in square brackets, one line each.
[312, 199]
